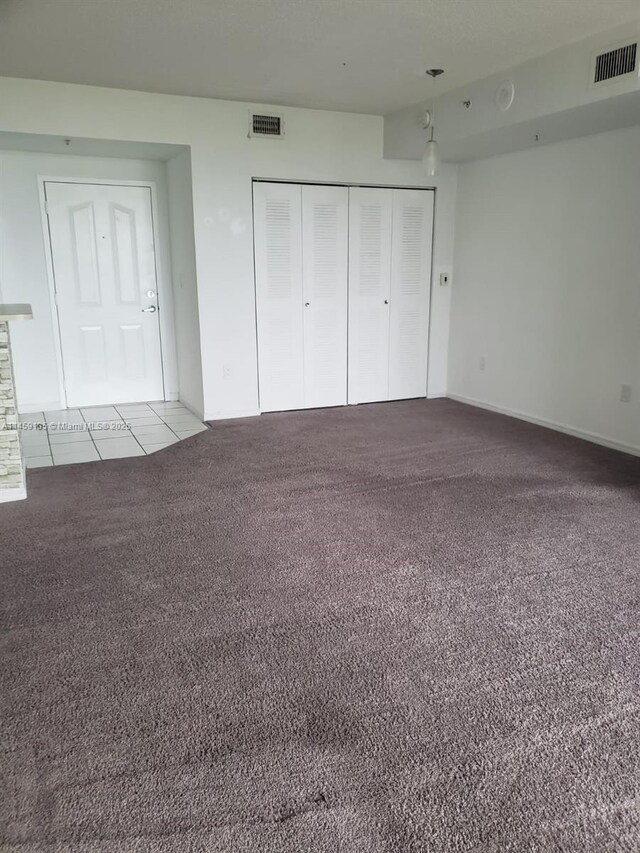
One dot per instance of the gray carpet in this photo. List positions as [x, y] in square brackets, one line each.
[402, 627]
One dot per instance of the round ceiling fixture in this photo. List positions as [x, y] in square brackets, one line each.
[434, 72]
[505, 93]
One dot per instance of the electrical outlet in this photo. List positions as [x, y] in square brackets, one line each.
[226, 371]
[483, 362]
[625, 393]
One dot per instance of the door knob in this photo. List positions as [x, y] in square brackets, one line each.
[150, 309]
[386, 301]
[306, 304]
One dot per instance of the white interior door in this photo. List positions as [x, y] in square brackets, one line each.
[410, 290]
[370, 218]
[278, 267]
[106, 292]
[325, 223]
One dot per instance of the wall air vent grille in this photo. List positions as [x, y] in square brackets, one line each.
[615, 63]
[266, 124]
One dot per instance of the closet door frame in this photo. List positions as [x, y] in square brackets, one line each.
[302, 183]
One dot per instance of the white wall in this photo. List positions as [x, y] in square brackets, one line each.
[547, 285]
[443, 261]
[321, 146]
[23, 264]
[185, 284]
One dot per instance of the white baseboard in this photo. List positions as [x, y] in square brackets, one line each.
[227, 416]
[436, 395]
[593, 437]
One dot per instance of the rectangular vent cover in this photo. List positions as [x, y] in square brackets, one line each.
[615, 63]
[266, 124]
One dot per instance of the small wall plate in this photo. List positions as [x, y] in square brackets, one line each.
[505, 93]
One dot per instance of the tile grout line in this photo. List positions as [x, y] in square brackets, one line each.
[116, 409]
[139, 445]
[46, 432]
[53, 461]
[168, 427]
[93, 441]
[46, 422]
[91, 438]
[148, 412]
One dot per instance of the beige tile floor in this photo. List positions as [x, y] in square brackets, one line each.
[103, 432]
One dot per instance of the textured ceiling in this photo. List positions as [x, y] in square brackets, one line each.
[356, 55]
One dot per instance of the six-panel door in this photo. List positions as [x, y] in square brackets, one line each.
[104, 268]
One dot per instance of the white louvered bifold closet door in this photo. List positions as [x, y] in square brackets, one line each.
[343, 281]
[325, 222]
[410, 290]
[370, 217]
[278, 266]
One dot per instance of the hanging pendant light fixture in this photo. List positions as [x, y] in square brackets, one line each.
[431, 156]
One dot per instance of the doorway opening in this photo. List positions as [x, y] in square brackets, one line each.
[98, 237]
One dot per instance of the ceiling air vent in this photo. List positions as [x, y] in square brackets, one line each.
[266, 124]
[616, 63]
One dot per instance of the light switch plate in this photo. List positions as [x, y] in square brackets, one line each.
[444, 279]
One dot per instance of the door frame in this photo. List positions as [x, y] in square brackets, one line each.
[163, 280]
[349, 185]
